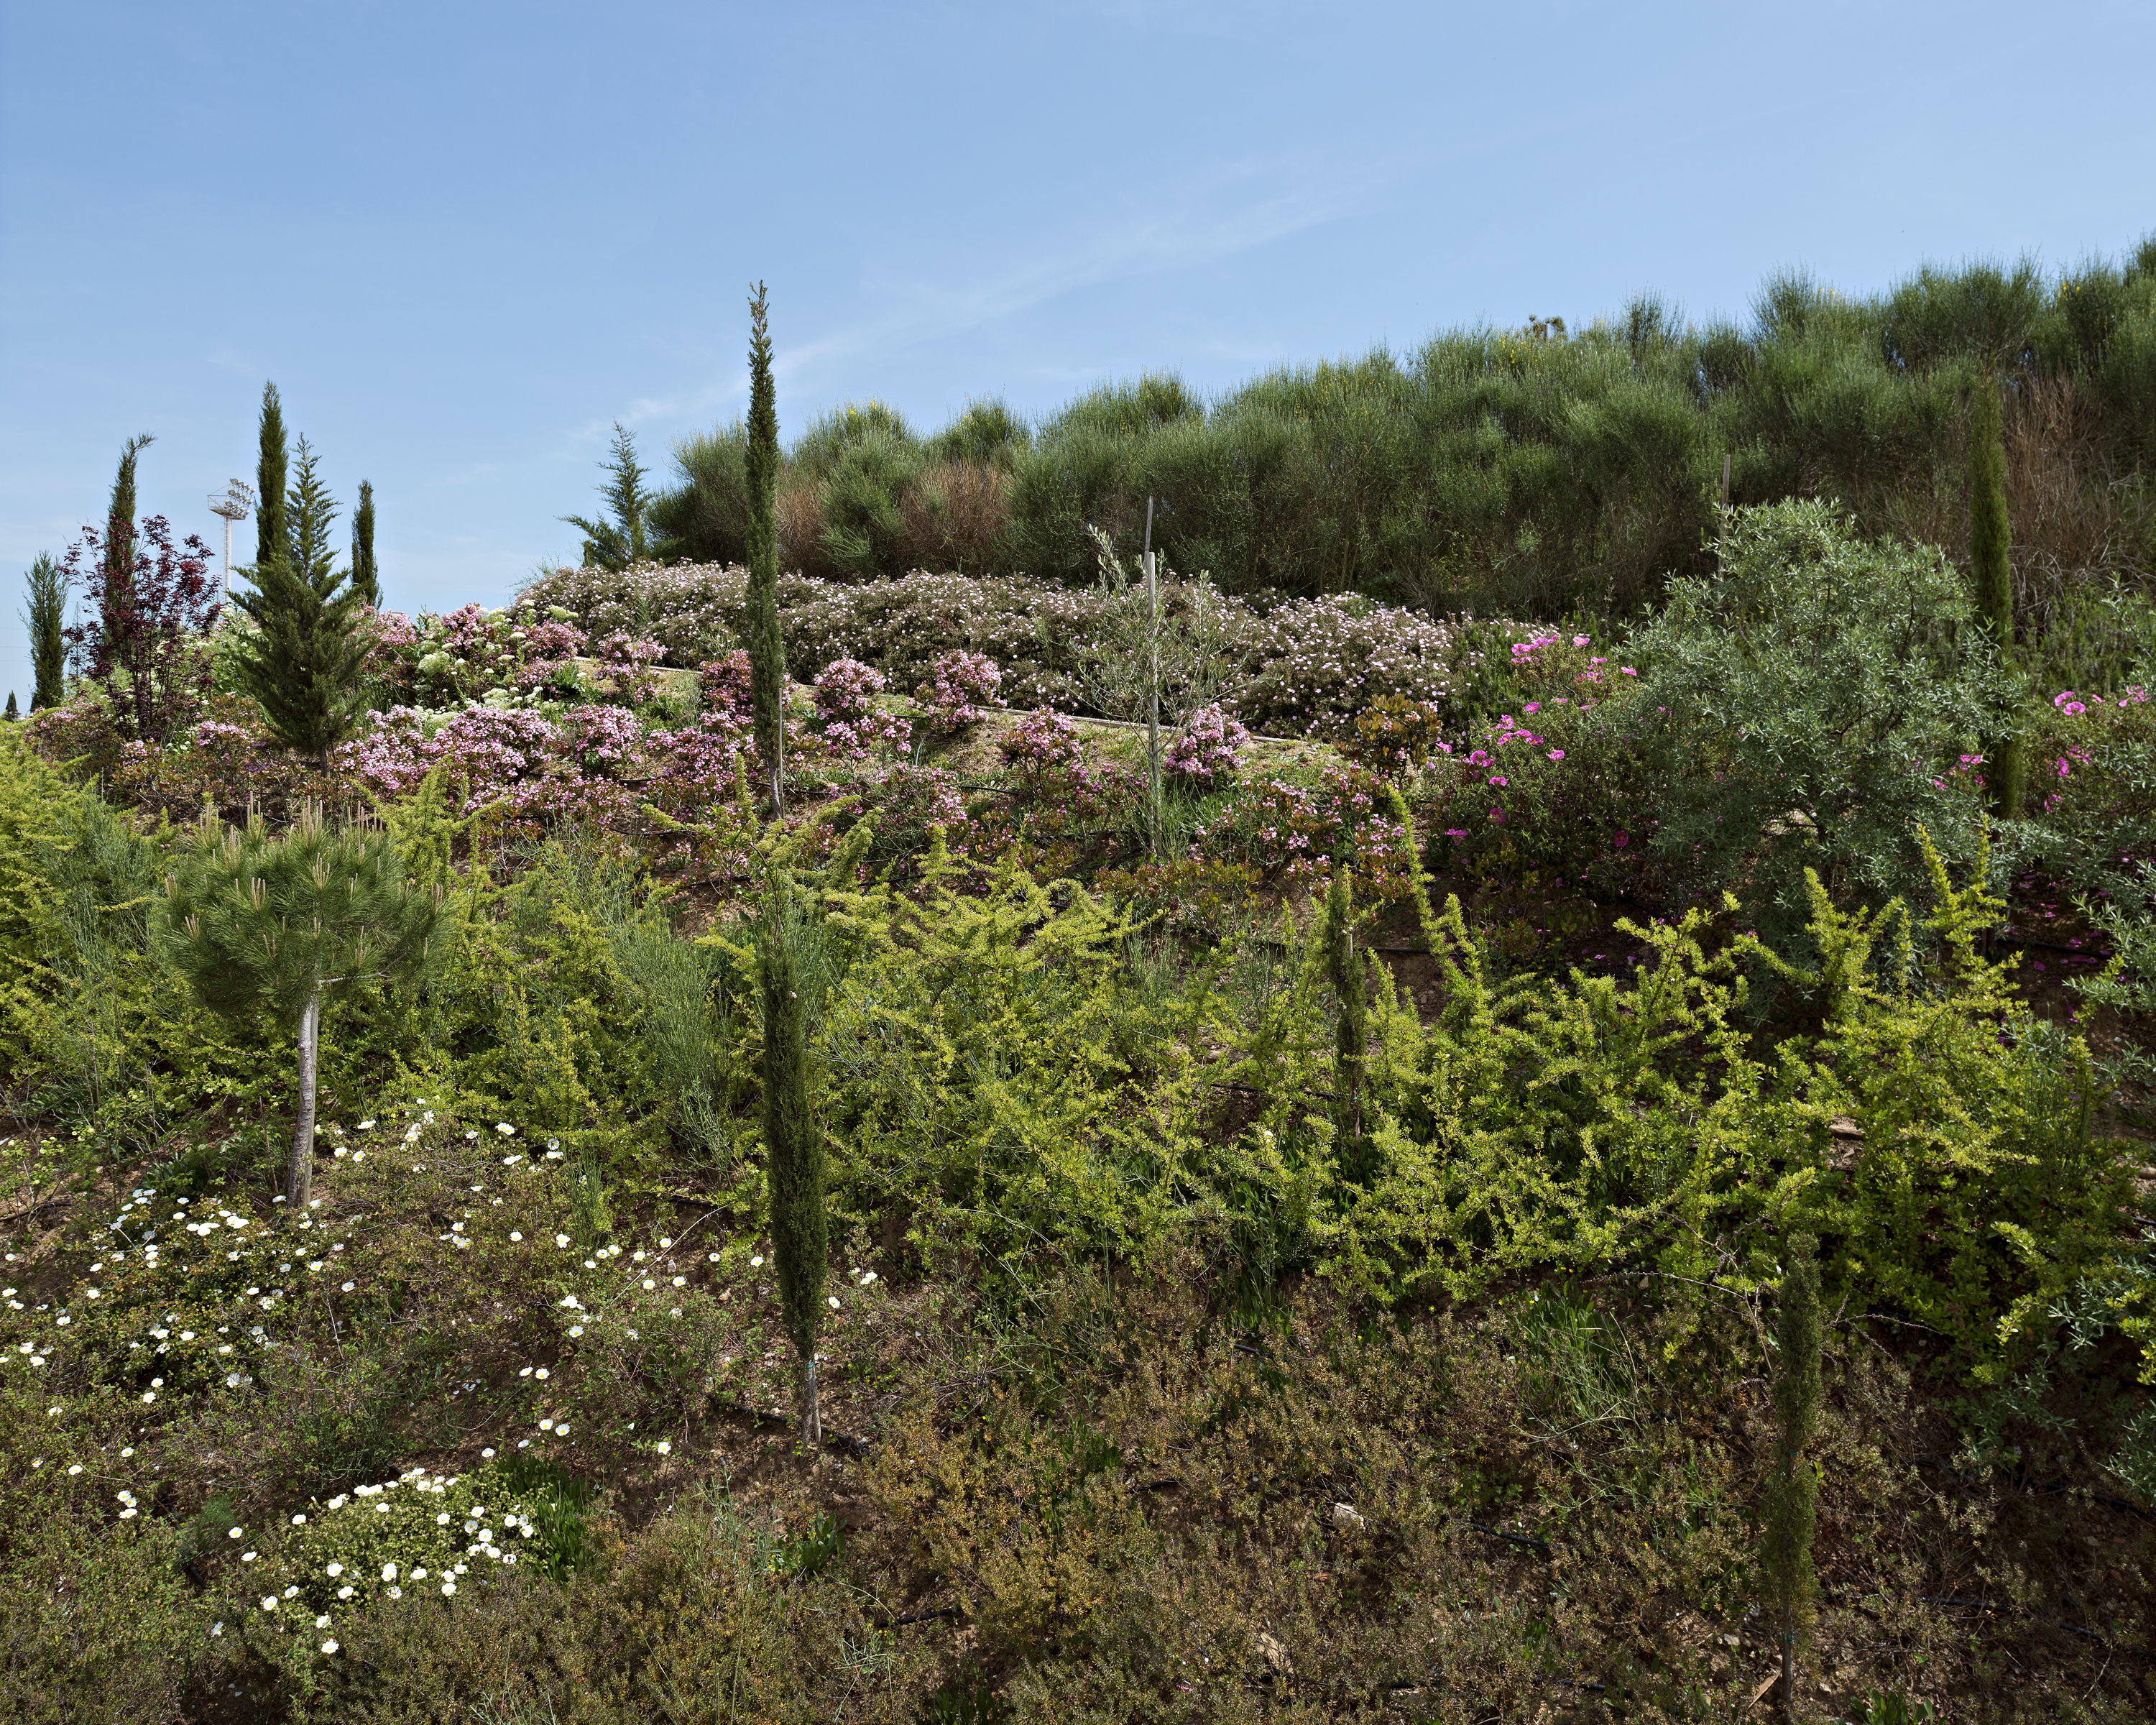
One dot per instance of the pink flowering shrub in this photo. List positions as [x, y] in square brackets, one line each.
[528, 767]
[225, 760]
[962, 688]
[1043, 741]
[1307, 667]
[1297, 834]
[630, 668]
[727, 687]
[853, 726]
[1207, 752]
[1046, 751]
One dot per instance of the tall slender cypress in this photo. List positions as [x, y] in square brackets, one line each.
[1786, 1554]
[1990, 544]
[766, 648]
[1351, 1034]
[46, 620]
[269, 541]
[366, 581]
[794, 1147]
[119, 602]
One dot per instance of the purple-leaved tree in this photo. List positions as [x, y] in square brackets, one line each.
[140, 631]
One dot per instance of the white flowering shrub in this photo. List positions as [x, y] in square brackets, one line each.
[1315, 664]
[421, 1533]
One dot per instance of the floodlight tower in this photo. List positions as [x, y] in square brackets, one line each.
[238, 499]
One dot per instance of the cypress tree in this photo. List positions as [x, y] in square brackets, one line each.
[303, 661]
[12, 712]
[799, 1232]
[118, 604]
[1785, 1555]
[366, 579]
[46, 620]
[1352, 1034]
[766, 648]
[284, 923]
[1991, 541]
[269, 541]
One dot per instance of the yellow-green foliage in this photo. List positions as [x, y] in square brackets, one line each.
[1591, 1123]
[992, 1068]
[86, 1010]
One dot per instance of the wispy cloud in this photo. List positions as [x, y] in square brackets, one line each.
[1229, 208]
[1219, 211]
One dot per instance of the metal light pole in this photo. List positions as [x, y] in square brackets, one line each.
[238, 499]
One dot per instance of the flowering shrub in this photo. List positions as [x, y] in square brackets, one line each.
[962, 688]
[845, 702]
[1047, 751]
[227, 762]
[1306, 668]
[392, 666]
[522, 765]
[727, 687]
[631, 668]
[1044, 741]
[908, 802]
[1207, 752]
[1315, 664]
[1393, 735]
[1298, 835]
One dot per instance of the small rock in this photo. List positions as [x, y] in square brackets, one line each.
[1346, 1515]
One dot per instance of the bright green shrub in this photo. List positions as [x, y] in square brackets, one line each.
[1593, 1123]
[992, 1072]
[90, 1020]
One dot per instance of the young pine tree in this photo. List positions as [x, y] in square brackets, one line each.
[269, 541]
[792, 1143]
[623, 539]
[1344, 970]
[766, 648]
[46, 619]
[1785, 1552]
[303, 661]
[366, 578]
[1990, 542]
[280, 923]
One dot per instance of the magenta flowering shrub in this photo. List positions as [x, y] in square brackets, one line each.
[2089, 758]
[962, 688]
[1559, 787]
[1207, 752]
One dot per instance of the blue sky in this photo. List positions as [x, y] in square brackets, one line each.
[465, 239]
